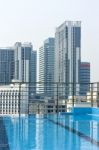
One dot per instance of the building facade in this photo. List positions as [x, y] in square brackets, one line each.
[6, 65]
[33, 74]
[18, 63]
[68, 56]
[14, 98]
[84, 78]
[25, 66]
[33, 66]
[23, 61]
[46, 66]
[41, 69]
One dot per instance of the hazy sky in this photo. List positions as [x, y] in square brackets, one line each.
[36, 20]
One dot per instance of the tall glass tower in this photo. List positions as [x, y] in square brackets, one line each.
[68, 55]
[46, 66]
[23, 61]
[6, 65]
[84, 78]
[25, 66]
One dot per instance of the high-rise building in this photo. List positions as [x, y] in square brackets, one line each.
[23, 61]
[33, 66]
[84, 78]
[33, 73]
[25, 66]
[67, 54]
[19, 63]
[6, 65]
[41, 64]
[46, 66]
[41, 70]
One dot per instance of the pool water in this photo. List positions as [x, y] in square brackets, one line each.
[52, 132]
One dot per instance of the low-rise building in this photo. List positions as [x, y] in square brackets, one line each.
[14, 98]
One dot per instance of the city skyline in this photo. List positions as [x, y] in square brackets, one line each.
[49, 77]
[35, 21]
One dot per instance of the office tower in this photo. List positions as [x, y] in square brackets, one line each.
[25, 66]
[6, 65]
[67, 56]
[41, 70]
[19, 63]
[33, 66]
[33, 73]
[84, 78]
[46, 66]
[23, 61]
[41, 64]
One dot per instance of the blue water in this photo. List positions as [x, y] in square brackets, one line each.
[40, 133]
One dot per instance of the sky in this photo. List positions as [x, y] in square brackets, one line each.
[35, 20]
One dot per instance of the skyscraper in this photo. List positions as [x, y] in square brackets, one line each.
[23, 61]
[6, 65]
[33, 72]
[84, 78]
[18, 63]
[25, 66]
[46, 65]
[67, 54]
[33, 66]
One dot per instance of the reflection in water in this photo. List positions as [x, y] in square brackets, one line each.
[39, 133]
[83, 133]
[39, 136]
[20, 130]
[3, 136]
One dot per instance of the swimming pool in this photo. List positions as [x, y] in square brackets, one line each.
[49, 132]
